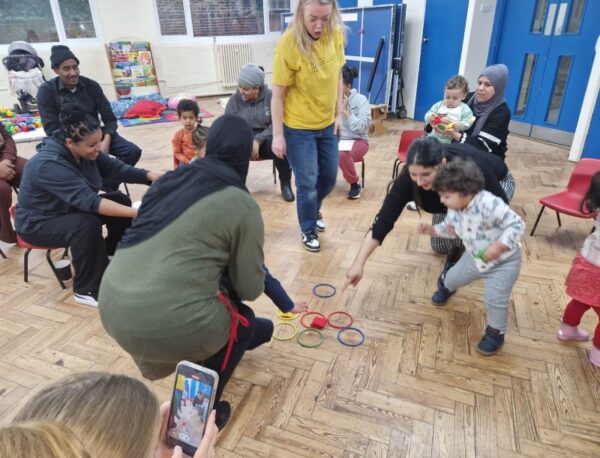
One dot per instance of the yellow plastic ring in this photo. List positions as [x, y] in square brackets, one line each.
[285, 323]
[288, 316]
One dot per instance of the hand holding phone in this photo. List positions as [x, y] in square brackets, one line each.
[191, 404]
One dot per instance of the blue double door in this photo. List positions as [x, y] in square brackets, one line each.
[548, 46]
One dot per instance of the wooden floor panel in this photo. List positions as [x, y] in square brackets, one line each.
[416, 388]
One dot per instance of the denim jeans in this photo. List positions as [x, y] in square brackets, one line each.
[313, 156]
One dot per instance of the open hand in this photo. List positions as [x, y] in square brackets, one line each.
[300, 307]
[425, 229]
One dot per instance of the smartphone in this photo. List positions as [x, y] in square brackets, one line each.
[192, 401]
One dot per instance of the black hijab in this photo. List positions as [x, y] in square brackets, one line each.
[228, 151]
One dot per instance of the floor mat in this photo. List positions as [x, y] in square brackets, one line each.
[165, 116]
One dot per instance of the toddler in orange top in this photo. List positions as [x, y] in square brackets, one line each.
[183, 147]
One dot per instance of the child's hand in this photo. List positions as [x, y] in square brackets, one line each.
[300, 307]
[425, 229]
[451, 231]
[494, 251]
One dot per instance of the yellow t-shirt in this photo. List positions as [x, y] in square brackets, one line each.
[311, 89]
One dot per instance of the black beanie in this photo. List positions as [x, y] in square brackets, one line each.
[60, 53]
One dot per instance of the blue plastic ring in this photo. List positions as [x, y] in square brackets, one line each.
[324, 296]
[341, 331]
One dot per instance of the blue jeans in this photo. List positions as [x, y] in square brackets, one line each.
[313, 156]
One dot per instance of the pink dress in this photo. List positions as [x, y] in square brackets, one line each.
[583, 281]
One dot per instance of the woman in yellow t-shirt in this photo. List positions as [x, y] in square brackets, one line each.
[307, 107]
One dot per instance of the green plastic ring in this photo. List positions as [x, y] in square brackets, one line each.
[318, 344]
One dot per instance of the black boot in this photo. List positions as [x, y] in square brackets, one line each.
[286, 191]
[223, 409]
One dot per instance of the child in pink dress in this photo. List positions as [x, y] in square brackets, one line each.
[583, 281]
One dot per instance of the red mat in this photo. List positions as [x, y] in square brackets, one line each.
[165, 116]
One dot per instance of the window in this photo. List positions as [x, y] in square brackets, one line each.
[576, 16]
[46, 21]
[218, 18]
[539, 16]
[526, 80]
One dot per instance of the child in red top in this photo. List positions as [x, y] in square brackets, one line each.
[183, 147]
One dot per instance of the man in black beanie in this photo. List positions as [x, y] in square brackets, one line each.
[69, 86]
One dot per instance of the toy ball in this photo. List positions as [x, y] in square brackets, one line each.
[174, 101]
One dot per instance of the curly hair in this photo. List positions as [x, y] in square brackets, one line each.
[457, 82]
[187, 105]
[75, 123]
[459, 175]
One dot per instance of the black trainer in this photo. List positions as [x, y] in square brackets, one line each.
[223, 415]
[310, 240]
[491, 342]
[354, 192]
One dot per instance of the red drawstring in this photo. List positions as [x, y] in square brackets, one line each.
[235, 317]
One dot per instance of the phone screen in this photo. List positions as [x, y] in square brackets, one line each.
[191, 404]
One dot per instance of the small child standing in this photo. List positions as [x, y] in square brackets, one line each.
[491, 233]
[583, 281]
[451, 110]
[183, 148]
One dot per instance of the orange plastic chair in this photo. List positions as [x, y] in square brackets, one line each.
[28, 247]
[406, 139]
[569, 200]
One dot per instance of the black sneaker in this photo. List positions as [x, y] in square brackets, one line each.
[441, 296]
[310, 240]
[223, 415]
[354, 192]
[491, 342]
[321, 226]
[90, 299]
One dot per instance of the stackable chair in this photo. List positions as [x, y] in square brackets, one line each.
[569, 200]
[406, 138]
[29, 247]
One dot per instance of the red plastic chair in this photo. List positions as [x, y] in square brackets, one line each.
[406, 139]
[569, 200]
[28, 247]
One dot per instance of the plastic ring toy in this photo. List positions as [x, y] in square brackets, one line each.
[342, 313]
[287, 316]
[306, 331]
[285, 323]
[341, 331]
[326, 285]
[309, 314]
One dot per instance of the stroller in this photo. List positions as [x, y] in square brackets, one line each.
[25, 75]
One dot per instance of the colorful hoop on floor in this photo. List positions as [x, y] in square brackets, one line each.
[326, 285]
[287, 316]
[341, 331]
[340, 312]
[315, 331]
[285, 323]
[309, 314]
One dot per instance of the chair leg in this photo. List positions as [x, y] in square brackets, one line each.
[537, 219]
[274, 173]
[49, 259]
[66, 253]
[126, 189]
[362, 172]
[2, 254]
[395, 169]
[558, 218]
[26, 265]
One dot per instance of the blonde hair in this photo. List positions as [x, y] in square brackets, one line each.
[113, 415]
[303, 39]
[40, 439]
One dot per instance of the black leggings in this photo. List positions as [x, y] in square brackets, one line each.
[259, 332]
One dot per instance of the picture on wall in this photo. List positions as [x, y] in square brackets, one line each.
[132, 65]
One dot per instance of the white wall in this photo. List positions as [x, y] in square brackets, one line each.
[180, 67]
[478, 33]
[413, 36]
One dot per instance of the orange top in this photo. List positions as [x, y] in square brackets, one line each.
[183, 148]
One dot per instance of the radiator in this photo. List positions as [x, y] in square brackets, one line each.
[230, 57]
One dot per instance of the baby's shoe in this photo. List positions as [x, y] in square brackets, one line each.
[568, 332]
[491, 342]
[595, 356]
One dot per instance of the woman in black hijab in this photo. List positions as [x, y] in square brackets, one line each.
[175, 287]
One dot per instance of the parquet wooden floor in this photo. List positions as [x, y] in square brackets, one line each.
[416, 388]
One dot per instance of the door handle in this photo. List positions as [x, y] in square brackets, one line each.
[425, 39]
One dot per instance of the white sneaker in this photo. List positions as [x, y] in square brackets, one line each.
[321, 226]
[411, 206]
[85, 299]
[310, 240]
